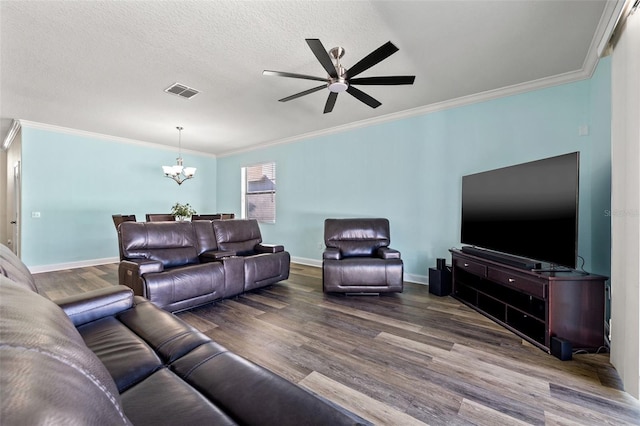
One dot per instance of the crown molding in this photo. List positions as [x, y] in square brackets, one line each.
[488, 95]
[84, 133]
[11, 134]
[608, 20]
[608, 23]
[597, 49]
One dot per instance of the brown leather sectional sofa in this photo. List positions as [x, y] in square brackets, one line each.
[108, 357]
[180, 265]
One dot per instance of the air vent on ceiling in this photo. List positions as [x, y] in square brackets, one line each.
[182, 90]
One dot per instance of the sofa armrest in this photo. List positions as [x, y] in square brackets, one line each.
[332, 253]
[130, 273]
[268, 248]
[144, 266]
[215, 255]
[388, 253]
[90, 306]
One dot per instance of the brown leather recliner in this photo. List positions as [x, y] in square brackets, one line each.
[357, 258]
[264, 264]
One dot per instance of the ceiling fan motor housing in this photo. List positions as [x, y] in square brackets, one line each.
[340, 84]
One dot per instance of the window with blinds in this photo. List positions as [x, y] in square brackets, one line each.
[259, 192]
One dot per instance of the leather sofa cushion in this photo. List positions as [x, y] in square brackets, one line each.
[205, 236]
[177, 404]
[264, 269]
[127, 357]
[53, 377]
[184, 283]
[172, 243]
[356, 237]
[252, 395]
[239, 235]
[167, 335]
[137, 342]
[363, 272]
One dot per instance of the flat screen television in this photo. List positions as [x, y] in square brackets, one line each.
[528, 210]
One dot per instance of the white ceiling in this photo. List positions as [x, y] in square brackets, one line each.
[103, 66]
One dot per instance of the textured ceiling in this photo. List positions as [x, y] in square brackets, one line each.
[103, 66]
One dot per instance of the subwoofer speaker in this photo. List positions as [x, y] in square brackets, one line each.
[561, 349]
[440, 281]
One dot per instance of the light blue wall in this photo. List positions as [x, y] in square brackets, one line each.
[78, 182]
[410, 170]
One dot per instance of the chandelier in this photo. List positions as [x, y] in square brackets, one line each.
[179, 173]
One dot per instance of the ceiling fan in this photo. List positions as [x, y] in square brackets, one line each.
[341, 79]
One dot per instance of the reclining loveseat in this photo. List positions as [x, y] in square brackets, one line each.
[180, 265]
[108, 357]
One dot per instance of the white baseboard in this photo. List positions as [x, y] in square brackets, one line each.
[417, 279]
[72, 265]
[412, 278]
[305, 261]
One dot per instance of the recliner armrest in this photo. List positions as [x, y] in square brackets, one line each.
[388, 253]
[92, 305]
[268, 248]
[331, 253]
[215, 255]
[130, 273]
[143, 266]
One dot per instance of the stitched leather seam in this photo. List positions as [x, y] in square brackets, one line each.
[173, 338]
[85, 373]
[192, 369]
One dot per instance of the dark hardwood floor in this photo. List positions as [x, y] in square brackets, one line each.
[401, 359]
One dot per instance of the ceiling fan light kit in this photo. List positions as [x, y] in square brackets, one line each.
[338, 86]
[340, 79]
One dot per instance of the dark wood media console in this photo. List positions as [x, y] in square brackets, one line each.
[535, 305]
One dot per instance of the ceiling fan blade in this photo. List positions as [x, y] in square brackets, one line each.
[293, 75]
[378, 55]
[387, 80]
[306, 92]
[323, 57]
[331, 101]
[363, 97]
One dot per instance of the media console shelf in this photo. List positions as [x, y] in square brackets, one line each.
[535, 305]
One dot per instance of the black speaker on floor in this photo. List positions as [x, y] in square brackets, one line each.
[561, 349]
[440, 281]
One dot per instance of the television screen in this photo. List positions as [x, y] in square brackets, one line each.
[528, 210]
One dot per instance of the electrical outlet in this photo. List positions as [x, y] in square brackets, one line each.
[35, 215]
